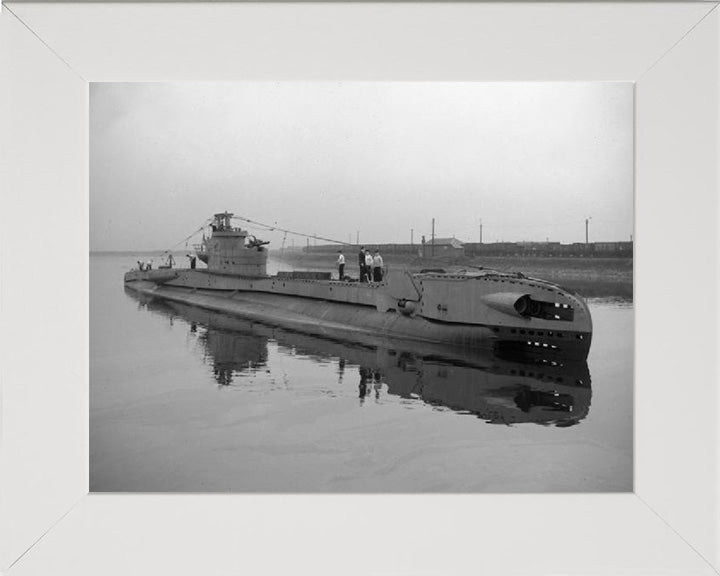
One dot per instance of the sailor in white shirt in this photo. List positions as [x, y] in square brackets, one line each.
[368, 265]
[377, 265]
[341, 265]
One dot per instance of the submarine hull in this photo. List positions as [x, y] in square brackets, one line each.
[369, 313]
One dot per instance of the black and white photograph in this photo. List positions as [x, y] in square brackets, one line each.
[361, 287]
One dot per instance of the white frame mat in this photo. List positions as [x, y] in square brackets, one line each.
[49, 524]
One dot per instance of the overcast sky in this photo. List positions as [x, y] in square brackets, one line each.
[532, 160]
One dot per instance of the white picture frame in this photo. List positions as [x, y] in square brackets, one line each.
[49, 524]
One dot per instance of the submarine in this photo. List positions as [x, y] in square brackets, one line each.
[469, 309]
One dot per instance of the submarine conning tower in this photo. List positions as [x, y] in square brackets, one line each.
[233, 251]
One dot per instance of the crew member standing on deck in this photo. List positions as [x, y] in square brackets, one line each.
[361, 263]
[341, 265]
[377, 265]
[368, 265]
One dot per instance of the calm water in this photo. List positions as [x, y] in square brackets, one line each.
[189, 401]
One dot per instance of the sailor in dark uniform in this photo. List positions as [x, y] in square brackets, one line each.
[361, 264]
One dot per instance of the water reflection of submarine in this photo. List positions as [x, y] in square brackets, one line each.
[228, 350]
[231, 352]
[495, 389]
[503, 393]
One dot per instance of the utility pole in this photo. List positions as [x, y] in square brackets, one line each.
[432, 242]
[357, 237]
[587, 238]
[411, 236]
[480, 230]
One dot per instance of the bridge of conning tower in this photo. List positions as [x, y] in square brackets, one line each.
[223, 222]
[233, 251]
